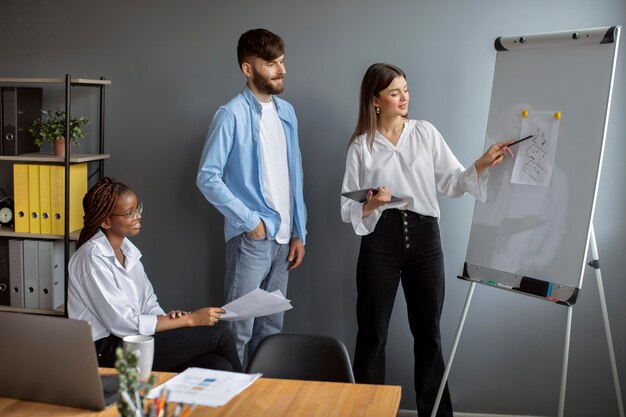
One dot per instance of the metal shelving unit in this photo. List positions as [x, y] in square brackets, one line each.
[69, 82]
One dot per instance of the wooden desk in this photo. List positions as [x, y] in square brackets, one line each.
[265, 397]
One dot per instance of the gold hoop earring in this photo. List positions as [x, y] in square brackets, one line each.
[377, 110]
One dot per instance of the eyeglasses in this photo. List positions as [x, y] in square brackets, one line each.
[133, 214]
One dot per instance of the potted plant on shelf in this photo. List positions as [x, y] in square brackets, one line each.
[51, 128]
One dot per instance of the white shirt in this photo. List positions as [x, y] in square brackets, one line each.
[115, 299]
[415, 170]
[276, 184]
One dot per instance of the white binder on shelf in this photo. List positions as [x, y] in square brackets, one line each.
[31, 274]
[16, 272]
[51, 280]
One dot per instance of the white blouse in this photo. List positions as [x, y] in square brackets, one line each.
[418, 167]
[114, 298]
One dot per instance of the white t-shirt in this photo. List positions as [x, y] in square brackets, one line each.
[418, 167]
[275, 168]
[115, 299]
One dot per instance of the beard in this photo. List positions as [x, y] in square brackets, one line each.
[264, 84]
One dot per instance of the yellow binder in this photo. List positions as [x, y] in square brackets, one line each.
[20, 192]
[77, 190]
[57, 199]
[44, 199]
[33, 199]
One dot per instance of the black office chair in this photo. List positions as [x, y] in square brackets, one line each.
[302, 356]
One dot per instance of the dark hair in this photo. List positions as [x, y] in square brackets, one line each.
[376, 78]
[98, 204]
[259, 43]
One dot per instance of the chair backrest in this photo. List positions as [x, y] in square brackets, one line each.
[302, 356]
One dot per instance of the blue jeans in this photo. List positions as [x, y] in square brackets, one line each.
[252, 264]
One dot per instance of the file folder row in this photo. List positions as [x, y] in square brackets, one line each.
[39, 197]
[34, 276]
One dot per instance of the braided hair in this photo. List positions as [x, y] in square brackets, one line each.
[98, 204]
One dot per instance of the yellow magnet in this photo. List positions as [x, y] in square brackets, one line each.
[557, 115]
[525, 114]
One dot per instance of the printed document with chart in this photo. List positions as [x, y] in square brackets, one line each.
[205, 387]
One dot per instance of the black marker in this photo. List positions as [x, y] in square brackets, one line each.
[521, 140]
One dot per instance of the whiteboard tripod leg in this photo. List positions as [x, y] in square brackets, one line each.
[455, 344]
[605, 316]
[568, 330]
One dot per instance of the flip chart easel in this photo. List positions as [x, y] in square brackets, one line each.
[532, 237]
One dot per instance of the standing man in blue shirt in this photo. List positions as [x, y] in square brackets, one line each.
[251, 171]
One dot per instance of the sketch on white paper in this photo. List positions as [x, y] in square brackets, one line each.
[534, 159]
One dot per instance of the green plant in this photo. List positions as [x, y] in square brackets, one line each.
[52, 127]
[126, 366]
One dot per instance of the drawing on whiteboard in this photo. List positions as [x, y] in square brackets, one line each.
[534, 161]
[533, 170]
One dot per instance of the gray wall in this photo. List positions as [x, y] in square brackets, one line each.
[173, 63]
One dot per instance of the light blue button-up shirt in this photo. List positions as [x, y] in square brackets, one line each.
[230, 173]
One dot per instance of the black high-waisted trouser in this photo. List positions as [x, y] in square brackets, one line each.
[404, 247]
[178, 349]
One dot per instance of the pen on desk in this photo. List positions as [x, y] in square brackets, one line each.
[521, 140]
[188, 410]
[162, 401]
[157, 404]
[166, 403]
[152, 409]
[138, 402]
[130, 403]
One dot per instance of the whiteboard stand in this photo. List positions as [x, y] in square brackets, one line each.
[568, 332]
[594, 263]
[455, 344]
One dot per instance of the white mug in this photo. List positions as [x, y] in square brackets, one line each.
[143, 347]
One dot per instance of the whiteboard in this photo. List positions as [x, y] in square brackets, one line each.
[530, 238]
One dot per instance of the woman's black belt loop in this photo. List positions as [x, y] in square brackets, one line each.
[408, 215]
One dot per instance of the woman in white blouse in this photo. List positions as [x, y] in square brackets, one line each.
[390, 154]
[108, 287]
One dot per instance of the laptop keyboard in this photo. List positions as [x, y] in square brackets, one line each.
[110, 387]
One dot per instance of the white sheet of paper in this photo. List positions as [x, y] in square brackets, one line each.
[205, 387]
[534, 160]
[255, 304]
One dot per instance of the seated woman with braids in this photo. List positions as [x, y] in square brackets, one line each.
[109, 288]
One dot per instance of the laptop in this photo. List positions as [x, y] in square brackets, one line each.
[52, 360]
